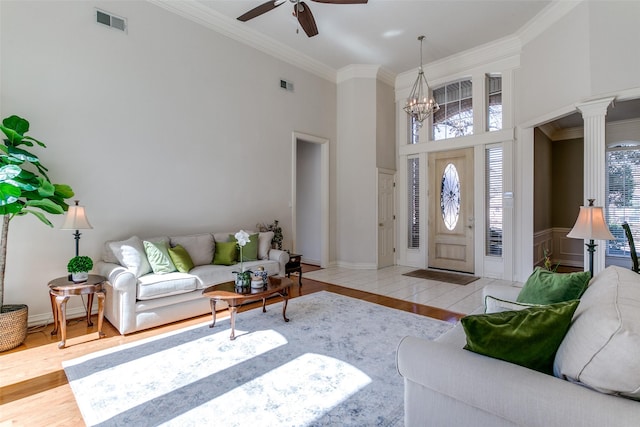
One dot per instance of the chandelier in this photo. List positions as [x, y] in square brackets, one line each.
[419, 104]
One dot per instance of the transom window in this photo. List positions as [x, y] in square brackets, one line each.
[455, 116]
[494, 103]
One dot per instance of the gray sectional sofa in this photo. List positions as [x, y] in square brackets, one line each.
[596, 379]
[137, 298]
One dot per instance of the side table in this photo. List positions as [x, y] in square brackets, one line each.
[61, 289]
[294, 266]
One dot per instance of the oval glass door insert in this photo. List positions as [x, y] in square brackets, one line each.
[450, 196]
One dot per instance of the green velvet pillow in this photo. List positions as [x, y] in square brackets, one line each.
[158, 256]
[250, 250]
[547, 287]
[181, 258]
[528, 337]
[226, 253]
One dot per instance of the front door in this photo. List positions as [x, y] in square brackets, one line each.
[451, 210]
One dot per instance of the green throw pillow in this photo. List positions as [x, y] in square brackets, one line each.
[158, 256]
[226, 253]
[528, 337]
[181, 258]
[250, 250]
[547, 287]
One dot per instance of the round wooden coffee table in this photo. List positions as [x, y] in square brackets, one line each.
[236, 296]
[62, 288]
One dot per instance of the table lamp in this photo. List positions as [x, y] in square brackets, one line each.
[77, 220]
[591, 226]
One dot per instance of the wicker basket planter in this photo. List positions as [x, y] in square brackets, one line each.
[13, 325]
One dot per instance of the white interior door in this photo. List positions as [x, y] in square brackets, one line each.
[386, 220]
[451, 218]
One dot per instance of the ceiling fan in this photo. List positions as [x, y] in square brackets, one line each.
[300, 11]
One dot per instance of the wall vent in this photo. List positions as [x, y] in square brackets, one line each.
[286, 85]
[105, 18]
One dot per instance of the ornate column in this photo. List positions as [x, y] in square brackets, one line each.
[593, 114]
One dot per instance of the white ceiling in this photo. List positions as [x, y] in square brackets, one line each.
[382, 32]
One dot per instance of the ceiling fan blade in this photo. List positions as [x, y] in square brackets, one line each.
[342, 1]
[305, 18]
[259, 10]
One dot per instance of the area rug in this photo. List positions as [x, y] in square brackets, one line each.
[332, 364]
[443, 276]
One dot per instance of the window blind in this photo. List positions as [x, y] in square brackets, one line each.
[493, 194]
[413, 221]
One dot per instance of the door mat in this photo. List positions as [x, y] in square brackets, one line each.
[443, 276]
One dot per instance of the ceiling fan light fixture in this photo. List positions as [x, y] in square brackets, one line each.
[419, 104]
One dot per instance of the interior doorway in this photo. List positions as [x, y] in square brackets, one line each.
[451, 219]
[310, 198]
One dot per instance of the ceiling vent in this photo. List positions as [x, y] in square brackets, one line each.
[105, 18]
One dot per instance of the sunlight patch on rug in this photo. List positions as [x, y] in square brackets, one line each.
[332, 364]
[321, 382]
[133, 381]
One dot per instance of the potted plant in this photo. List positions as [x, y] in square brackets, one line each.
[79, 267]
[25, 189]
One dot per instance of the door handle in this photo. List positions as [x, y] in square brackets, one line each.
[381, 225]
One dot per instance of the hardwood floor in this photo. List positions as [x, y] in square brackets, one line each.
[33, 387]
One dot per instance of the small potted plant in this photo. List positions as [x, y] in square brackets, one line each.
[79, 267]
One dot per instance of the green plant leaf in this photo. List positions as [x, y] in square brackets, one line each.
[16, 123]
[23, 155]
[12, 208]
[40, 216]
[64, 191]
[46, 188]
[46, 205]
[9, 172]
[9, 194]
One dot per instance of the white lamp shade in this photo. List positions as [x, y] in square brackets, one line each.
[76, 219]
[590, 225]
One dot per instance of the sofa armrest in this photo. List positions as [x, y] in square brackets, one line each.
[282, 257]
[120, 278]
[511, 392]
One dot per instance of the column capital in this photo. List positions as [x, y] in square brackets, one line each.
[595, 108]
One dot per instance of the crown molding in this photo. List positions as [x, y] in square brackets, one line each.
[201, 14]
[545, 19]
[500, 54]
[365, 71]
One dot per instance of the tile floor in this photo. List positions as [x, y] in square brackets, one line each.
[390, 282]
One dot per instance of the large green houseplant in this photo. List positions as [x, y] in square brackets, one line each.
[25, 189]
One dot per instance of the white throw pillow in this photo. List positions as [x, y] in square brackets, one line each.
[130, 254]
[200, 247]
[264, 244]
[497, 305]
[602, 346]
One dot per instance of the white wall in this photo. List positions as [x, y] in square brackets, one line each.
[356, 173]
[171, 128]
[308, 202]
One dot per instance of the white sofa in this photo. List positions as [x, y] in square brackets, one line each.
[136, 299]
[446, 385]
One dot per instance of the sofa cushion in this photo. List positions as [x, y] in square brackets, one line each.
[158, 257]
[264, 244]
[130, 253]
[547, 287]
[497, 305]
[152, 286]
[181, 258]
[199, 247]
[250, 250]
[226, 253]
[602, 348]
[528, 337]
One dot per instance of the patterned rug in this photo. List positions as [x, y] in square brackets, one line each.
[443, 276]
[333, 364]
